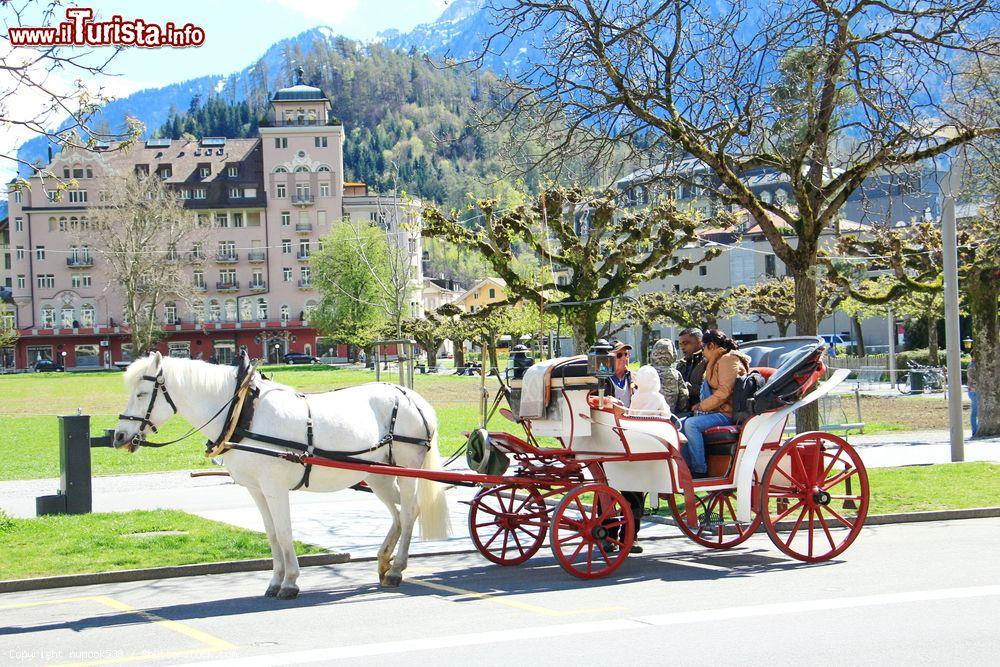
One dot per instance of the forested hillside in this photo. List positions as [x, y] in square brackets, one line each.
[405, 119]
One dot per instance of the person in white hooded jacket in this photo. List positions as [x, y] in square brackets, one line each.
[648, 401]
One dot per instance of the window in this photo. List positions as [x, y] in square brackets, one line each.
[142, 169]
[493, 293]
[170, 312]
[412, 245]
[286, 218]
[227, 276]
[285, 312]
[323, 168]
[166, 171]
[302, 169]
[246, 310]
[287, 274]
[77, 196]
[303, 248]
[769, 265]
[198, 310]
[233, 171]
[203, 220]
[302, 190]
[103, 196]
[324, 189]
[280, 170]
[185, 194]
[257, 277]
[227, 249]
[702, 270]
[18, 223]
[221, 219]
[74, 280]
[286, 246]
[214, 311]
[8, 319]
[20, 252]
[20, 282]
[261, 308]
[305, 274]
[236, 193]
[17, 196]
[90, 172]
[204, 172]
[53, 195]
[249, 193]
[320, 142]
[281, 142]
[199, 278]
[48, 317]
[66, 318]
[238, 219]
[321, 217]
[230, 310]
[280, 191]
[85, 279]
[199, 193]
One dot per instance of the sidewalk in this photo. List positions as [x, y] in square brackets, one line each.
[357, 522]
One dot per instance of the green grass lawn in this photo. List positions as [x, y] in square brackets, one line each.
[934, 487]
[30, 402]
[65, 544]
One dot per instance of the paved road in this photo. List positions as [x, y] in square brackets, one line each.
[903, 594]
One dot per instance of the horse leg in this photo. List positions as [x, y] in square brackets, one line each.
[408, 510]
[276, 554]
[385, 489]
[277, 502]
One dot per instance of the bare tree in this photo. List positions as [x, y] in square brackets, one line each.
[48, 91]
[703, 80]
[607, 250]
[138, 231]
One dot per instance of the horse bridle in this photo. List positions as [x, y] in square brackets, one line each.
[159, 385]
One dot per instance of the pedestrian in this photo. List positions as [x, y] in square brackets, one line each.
[970, 375]
[672, 385]
[692, 366]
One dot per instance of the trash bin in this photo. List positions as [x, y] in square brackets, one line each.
[917, 382]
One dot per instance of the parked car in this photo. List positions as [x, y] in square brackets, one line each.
[43, 365]
[299, 358]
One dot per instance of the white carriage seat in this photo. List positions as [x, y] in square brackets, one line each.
[536, 385]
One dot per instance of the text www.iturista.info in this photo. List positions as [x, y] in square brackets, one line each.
[81, 30]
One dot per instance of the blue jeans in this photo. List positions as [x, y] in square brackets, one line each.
[974, 412]
[694, 450]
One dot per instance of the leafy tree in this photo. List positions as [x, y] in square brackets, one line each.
[8, 330]
[139, 223]
[680, 79]
[349, 310]
[608, 250]
[773, 301]
[430, 333]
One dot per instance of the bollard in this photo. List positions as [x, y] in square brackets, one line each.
[74, 495]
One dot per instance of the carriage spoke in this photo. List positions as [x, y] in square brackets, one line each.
[513, 534]
[811, 532]
[788, 511]
[826, 530]
[840, 477]
[795, 484]
[795, 528]
[839, 518]
[833, 460]
[576, 553]
[797, 455]
[495, 536]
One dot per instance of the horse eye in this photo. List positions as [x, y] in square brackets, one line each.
[142, 394]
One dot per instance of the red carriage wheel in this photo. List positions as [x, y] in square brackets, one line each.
[814, 496]
[718, 527]
[508, 524]
[583, 527]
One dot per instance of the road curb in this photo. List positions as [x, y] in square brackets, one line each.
[259, 564]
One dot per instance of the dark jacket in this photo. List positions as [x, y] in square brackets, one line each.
[693, 371]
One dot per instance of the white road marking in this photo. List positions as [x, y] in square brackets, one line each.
[604, 627]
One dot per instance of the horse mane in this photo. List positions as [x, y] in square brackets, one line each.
[196, 376]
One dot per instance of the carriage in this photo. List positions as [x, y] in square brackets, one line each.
[562, 478]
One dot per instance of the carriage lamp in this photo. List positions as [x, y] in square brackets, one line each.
[600, 361]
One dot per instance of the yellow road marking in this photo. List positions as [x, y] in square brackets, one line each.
[211, 643]
[500, 599]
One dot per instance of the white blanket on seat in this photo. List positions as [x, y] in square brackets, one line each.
[533, 394]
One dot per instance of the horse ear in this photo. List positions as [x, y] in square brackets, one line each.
[157, 358]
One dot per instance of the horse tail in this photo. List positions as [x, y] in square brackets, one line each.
[435, 523]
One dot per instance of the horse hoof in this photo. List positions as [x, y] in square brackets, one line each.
[289, 593]
[272, 591]
[392, 580]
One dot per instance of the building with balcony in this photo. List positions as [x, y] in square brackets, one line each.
[267, 202]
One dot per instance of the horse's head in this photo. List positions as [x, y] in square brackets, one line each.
[149, 403]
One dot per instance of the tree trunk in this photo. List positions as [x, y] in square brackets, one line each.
[459, 352]
[644, 343]
[806, 324]
[491, 348]
[782, 326]
[859, 337]
[983, 292]
[932, 339]
[584, 324]
[432, 360]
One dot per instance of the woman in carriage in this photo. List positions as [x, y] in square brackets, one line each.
[714, 407]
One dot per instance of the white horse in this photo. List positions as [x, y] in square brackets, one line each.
[348, 420]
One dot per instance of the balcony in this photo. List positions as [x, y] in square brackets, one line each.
[196, 256]
[303, 227]
[302, 256]
[227, 285]
[227, 257]
[172, 257]
[258, 287]
[199, 287]
[257, 255]
[305, 283]
[304, 122]
[303, 200]
[79, 262]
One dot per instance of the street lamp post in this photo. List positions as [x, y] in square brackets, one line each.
[949, 241]
[277, 347]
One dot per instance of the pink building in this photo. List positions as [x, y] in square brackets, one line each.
[269, 202]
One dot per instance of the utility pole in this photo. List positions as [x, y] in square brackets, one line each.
[892, 349]
[952, 334]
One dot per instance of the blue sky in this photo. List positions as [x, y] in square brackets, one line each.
[238, 31]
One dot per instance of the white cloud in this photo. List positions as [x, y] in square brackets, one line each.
[329, 13]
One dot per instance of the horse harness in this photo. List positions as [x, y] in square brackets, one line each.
[159, 386]
[240, 417]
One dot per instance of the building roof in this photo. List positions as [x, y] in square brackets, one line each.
[479, 284]
[300, 92]
[184, 157]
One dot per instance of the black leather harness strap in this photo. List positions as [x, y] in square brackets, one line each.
[310, 448]
[159, 386]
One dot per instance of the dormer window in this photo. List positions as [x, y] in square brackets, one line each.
[142, 169]
[233, 171]
[204, 171]
[165, 171]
